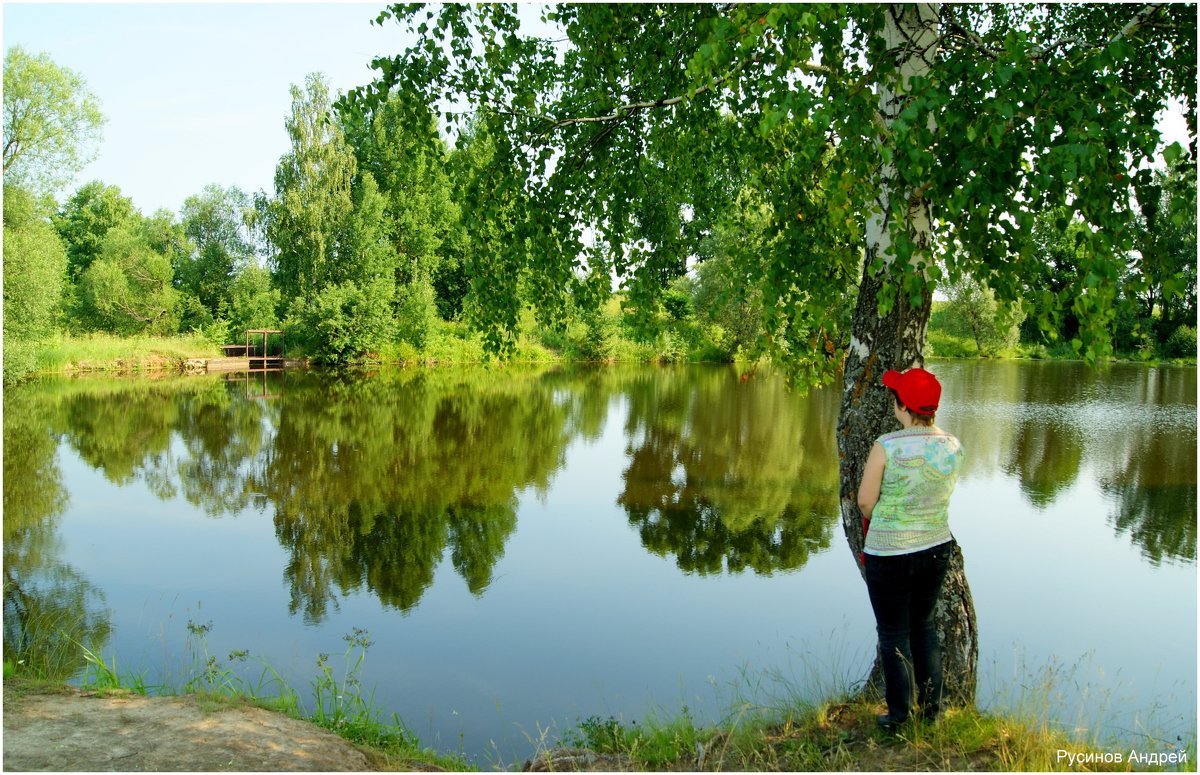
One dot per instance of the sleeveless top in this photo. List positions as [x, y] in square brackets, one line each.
[912, 512]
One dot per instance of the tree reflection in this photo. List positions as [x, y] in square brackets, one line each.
[1047, 447]
[50, 609]
[1153, 478]
[730, 476]
[373, 482]
[226, 435]
[373, 479]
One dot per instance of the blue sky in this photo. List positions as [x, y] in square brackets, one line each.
[197, 93]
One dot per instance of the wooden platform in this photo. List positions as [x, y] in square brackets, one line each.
[257, 363]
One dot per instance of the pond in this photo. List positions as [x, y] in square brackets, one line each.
[530, 548]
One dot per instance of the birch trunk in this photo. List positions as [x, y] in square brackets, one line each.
[896, 341]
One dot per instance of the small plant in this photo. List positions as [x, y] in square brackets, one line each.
[208, 675]
[341, 706]
[599, 734]
[100, 676]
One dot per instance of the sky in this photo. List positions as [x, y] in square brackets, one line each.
[197, 93]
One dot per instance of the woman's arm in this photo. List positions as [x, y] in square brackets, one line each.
[872, 480]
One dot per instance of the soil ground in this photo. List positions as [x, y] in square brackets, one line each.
[71, 730]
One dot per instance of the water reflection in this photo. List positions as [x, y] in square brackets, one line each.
[1130, 428]
[371, 480]
[1152, 476]
[728, 476]
[49, 607]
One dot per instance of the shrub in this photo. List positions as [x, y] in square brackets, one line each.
[20, 360]
[671, 348]
[944, 345]
[1181, 343]
[599, 339]
[416, 313]
[342, 322]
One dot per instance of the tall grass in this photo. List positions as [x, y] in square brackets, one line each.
[775, 725]
[813, 717]
[101, 351]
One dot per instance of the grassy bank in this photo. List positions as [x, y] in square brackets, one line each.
[784, 735]
[108, 352]
[603, 339]
[837, 736]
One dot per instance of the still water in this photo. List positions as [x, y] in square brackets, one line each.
[531, 548]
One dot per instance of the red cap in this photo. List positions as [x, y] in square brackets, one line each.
[918, 389]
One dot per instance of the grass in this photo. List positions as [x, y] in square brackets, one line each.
[768, 726]
[841, 735]
[338, 701]
[107, 352]
[604, 338]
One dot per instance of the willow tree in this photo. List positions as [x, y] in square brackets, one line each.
[926, 136]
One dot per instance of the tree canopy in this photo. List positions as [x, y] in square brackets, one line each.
[51, 121]
[900, 145]
[638, 122]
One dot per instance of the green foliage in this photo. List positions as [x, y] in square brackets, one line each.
[341, 323]
[974, 312]
[194, 316]
[307, 219]
[1014, 110]
[219, 246]
[407, 159]
[51, 121]
[942, 344]
[416, 313]
[127, 289]
[599, 341]
[85, 220]
[35, 264]
[252, 302]
[1181, 343]
[1162, 281]
[327, 224]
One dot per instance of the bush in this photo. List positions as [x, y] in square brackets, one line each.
[20, 360]
[252, 301]
[416, 313]
[671, 348]
[944, 345]
[599, 341]
[343, 322]
[1181, 343]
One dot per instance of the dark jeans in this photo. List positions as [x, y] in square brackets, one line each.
[904, 590]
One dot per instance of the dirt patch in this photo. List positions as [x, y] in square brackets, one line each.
[75, 731]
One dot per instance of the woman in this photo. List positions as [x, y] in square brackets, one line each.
[904, 495]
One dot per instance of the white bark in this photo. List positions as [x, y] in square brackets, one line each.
[896, 340]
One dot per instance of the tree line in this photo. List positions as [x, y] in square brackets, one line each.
[378, 230]
[359, 244]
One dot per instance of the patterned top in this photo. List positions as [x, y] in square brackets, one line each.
[921, 471]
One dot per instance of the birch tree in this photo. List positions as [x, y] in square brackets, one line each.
[926, 136]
